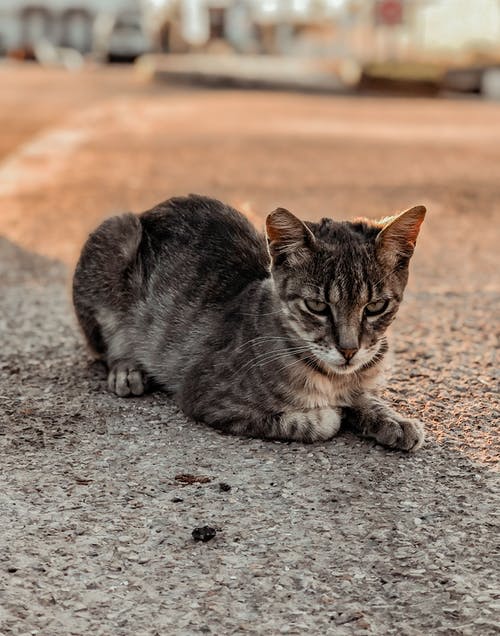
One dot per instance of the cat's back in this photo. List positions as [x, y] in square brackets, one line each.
[205, 242]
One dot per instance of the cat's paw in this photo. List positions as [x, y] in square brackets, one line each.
[316, 425]
[401, 433]
[124, 380]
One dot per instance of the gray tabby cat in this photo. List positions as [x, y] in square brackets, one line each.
[280, 338]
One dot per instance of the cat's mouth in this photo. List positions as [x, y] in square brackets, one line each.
[336, 362]
[328, 360]
[326, 364]
[349, 366]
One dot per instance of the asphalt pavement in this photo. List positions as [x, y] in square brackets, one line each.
[99, 496]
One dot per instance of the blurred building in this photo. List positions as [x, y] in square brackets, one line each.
[109, 27]
[265, 26]
[453, 25]
[364, 30]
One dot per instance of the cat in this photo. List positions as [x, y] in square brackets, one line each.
[278, 336]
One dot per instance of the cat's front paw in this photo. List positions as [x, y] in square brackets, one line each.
[316, 425]
[400, 433]
[125, 380]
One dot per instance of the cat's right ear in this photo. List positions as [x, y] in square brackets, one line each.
[288, 238]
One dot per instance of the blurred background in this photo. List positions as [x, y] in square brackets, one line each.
[351, 40]
[330, 107]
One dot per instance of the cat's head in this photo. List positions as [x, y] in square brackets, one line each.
[341, 284]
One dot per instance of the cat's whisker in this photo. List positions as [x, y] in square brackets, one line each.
[268, 352]
[282, 357]
[259, 340]
[292, 364]
[262, 364]
[272, 357]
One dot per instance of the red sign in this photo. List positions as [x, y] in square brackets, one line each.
[389, 12]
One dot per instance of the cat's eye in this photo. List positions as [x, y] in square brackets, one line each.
[377, 307]
[316, 306]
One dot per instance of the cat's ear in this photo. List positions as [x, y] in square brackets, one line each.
[398, 235]
[287, 236]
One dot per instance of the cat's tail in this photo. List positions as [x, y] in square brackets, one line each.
[107, 278]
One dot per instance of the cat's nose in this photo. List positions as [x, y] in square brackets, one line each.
[348, 353]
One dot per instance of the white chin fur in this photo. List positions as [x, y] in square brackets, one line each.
[337, 362]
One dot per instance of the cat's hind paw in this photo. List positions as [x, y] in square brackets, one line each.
[125, 380]
[403, 434]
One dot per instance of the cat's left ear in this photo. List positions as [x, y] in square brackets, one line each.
[287, 236]
[398, 236]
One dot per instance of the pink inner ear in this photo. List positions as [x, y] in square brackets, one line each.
[286, 230]
[400, 234]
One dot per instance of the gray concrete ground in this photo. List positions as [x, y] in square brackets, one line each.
[337, 538]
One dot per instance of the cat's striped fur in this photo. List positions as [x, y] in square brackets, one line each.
[279, 337]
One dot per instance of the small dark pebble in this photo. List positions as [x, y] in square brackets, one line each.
[224, 487]
[177, 500]
[204, 533]
[11, 570]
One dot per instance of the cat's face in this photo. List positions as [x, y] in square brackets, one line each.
[341, 283]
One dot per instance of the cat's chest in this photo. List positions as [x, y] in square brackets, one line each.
[320, 391]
